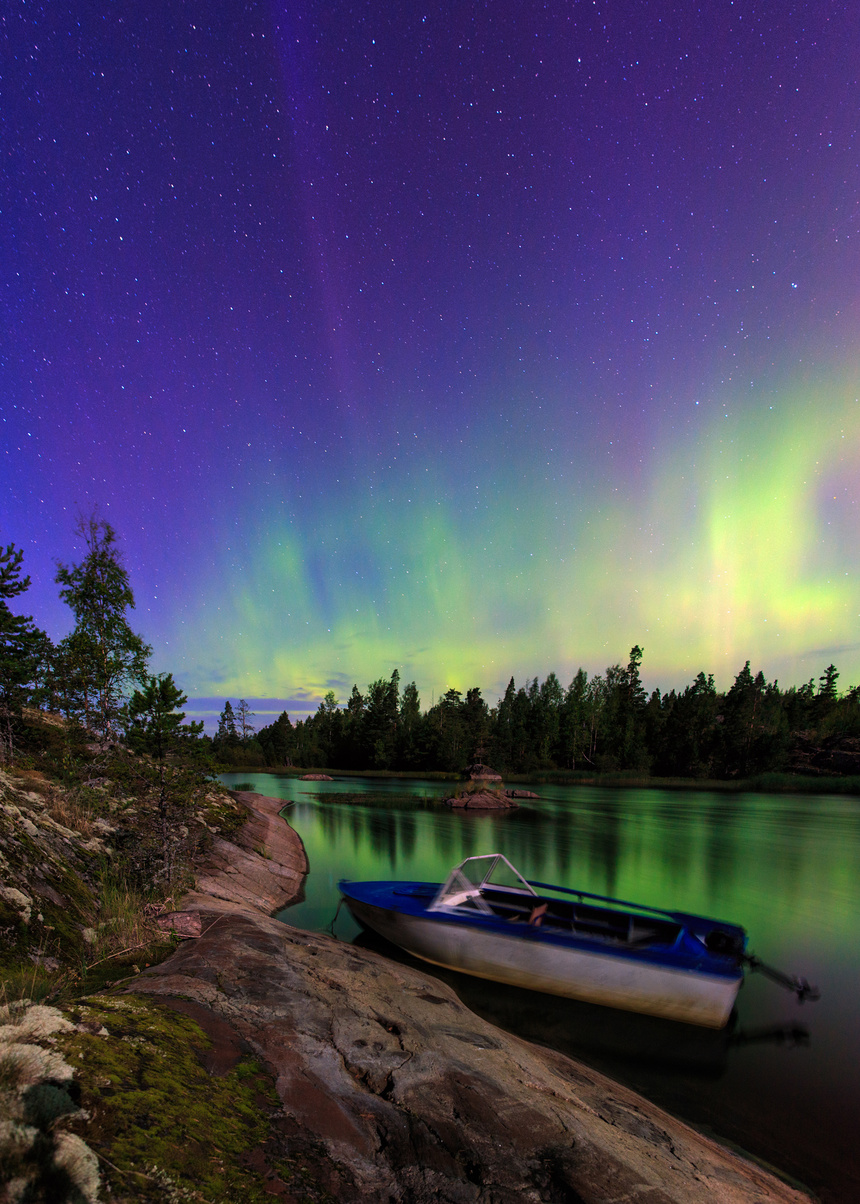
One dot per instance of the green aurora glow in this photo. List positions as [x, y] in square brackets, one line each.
[734, 542]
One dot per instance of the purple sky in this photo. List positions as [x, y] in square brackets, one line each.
[475, 340]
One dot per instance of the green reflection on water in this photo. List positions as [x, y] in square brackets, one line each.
[786, 867]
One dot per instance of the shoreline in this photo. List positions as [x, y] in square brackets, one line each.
[766, 784]
[391, 1087]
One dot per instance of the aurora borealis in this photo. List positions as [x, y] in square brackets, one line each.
[474, 340]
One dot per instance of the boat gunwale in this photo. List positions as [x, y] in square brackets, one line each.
[402, 897]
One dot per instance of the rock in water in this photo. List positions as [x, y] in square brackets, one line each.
[483, 773]
[481, 800]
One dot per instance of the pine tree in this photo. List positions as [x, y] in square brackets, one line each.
[827, 684]
[277, 741]
[154, 726]
[572, 722]
[23, 650]
[110, 656]
[244, 727]
[381, 718]
[410, 725]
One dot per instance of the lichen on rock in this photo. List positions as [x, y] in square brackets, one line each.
[40, 1159]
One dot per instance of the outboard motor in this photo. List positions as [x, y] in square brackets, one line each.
[723, 944]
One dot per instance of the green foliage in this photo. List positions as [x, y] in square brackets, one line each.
[226, 734]
[606, 724]
[235, 743]
[102, 656]
[23, 651]
[154, 727]
[277, 741]
[381, 719]
[244, 727]
[154, 720]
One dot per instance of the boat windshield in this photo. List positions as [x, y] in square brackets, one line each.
[464, 886]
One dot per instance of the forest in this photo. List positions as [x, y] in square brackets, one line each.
[600, 725]
[98, 679]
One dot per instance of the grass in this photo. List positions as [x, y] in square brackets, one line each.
[791, 783]
[126, 920]
[481, 787]
[74, 809]
[122, 938]
[34, 982]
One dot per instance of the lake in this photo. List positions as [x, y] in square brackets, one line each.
[782, 1081]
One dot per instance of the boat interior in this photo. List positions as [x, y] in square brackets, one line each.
[582, 919]
[488, 884]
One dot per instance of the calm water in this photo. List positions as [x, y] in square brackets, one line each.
[782, 1083]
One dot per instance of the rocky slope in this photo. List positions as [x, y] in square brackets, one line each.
[259, 1061]
[391, 1090]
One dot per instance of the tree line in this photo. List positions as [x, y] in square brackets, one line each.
[98, 677]
[607, 723]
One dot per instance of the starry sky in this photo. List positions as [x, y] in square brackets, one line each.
[472, 340]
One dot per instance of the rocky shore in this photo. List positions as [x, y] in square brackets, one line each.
[389, 1088]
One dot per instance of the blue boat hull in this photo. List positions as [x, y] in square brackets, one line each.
[683, 983]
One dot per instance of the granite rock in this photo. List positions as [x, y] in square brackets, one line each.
[395, 1091]
[392, 1090]
[481, 800]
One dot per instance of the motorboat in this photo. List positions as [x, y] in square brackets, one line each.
[487, 920]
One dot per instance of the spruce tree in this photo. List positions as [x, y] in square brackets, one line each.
[226, 736]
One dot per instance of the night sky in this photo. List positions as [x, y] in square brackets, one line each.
[475, 340]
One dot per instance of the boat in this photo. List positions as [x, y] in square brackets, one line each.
[487, 920]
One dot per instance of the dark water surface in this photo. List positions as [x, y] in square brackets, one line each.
[783, 1082]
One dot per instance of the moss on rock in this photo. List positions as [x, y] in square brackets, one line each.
[168, 1119]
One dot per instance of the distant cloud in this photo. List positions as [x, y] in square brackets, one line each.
[834, 650]
[264, 710]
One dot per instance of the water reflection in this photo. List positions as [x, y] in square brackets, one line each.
[759, 860]
[603, 1037]
[781, 1082]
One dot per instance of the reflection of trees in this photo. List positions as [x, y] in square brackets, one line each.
[446, 834]
[782, 845]
[526, 840]
[475, 835]
[355, 824]
[789, 846]
[330, 822]
[674, 840]
[604, 842]
[382, 834]
[336, 823]
[563, 836]
[723, 826]
[407, 833]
